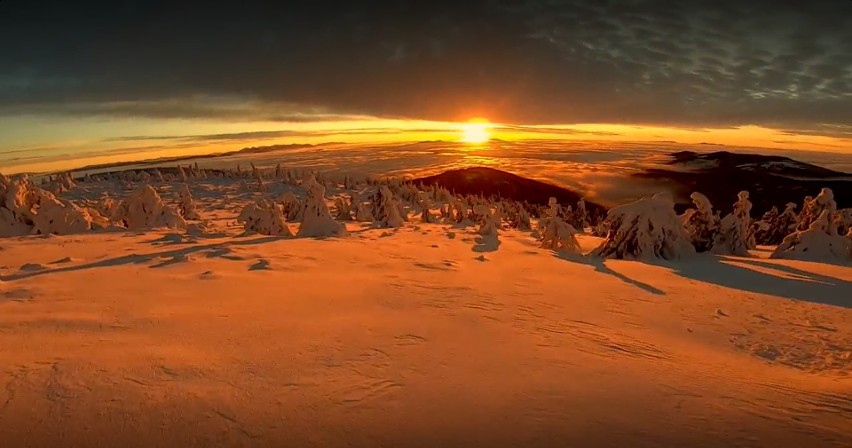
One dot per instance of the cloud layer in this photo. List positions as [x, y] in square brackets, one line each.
[698, 63]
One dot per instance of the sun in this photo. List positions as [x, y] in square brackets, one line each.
[476, 131]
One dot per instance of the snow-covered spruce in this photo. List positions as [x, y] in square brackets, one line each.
[646, 229]
[28, 209]
[316, 219]
[264, 217]
[843, 220]
[385, 209]
[361, 210]
[813, 208]
[343, 209]
[522, 219]
[488, 239]
[291, 206]
[733, 235]
[144, 209]
[557, 234]
[463, 213]
[700, 223]
[426, 215]
[820, 242]
[187, 205]
[63, 217]
[581, 216]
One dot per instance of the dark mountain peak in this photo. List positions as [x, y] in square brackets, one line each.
[771, 180]
[491, 182]
[769, 164]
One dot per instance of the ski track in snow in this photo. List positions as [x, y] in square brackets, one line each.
[388, 337]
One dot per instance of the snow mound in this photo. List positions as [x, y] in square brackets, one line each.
[646, 229]
[264, 217]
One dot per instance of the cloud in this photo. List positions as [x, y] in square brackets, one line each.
[702, 63]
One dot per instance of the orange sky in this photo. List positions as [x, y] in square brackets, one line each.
[39, 144]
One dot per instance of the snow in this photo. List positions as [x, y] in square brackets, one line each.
[413, 337]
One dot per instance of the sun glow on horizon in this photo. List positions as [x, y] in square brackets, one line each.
[476, 131]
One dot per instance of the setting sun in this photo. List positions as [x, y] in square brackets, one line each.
[476, 131]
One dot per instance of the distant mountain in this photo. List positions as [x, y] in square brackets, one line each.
[770, 180]
[491, 182]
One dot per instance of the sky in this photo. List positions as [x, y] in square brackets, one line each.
[82, 82]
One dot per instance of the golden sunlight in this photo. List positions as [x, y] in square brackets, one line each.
[475, 131]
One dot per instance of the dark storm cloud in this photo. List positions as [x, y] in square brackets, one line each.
[704, 63]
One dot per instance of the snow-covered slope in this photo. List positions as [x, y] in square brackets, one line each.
[410, 337]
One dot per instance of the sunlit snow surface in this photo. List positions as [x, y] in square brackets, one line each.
[409, 337]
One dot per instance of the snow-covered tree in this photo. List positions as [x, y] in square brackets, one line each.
[316, 220]
[28, 209]
[820, 242]
[770, 229]
[187, 205]
[700, 223]
[264, 217]
[733, 235]
[343, 209]
[426, 215]
[519, 218]
[646, 229]
[843, 220]
[385, 209]
[145, 209]
[291, 206]
[362, 211]
[488, 239]
[814, 207]
[556, 234]
[463, 212]
[581, 216]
